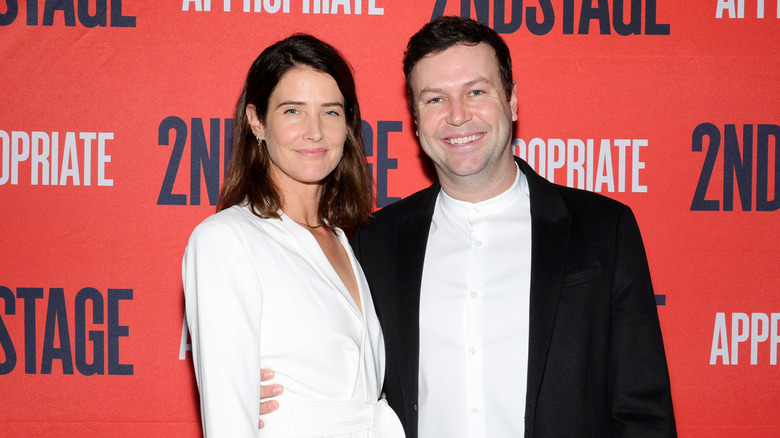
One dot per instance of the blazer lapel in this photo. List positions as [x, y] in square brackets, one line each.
[411, 237]
[550, 234]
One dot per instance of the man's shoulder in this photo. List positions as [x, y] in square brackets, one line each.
[411, 205]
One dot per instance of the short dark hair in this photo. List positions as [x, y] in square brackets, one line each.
[347, 195]
[445, 32]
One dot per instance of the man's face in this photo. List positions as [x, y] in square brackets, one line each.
[464, 121]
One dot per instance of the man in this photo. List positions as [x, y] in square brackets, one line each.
[510, 305]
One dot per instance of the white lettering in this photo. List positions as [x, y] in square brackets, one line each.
[185, 5]
[720, 347]
[604, 174]
[756, 336]
[737, 335]
[5, 171]
[103, 158]
[184, 346]
[636, 166]
[575, 164]
[555, 148]
[39, 159]
[728, 5]
[756, 327]
[373, 10]
[577, 157]
[41, 151]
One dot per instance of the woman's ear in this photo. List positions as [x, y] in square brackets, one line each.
[254, 122]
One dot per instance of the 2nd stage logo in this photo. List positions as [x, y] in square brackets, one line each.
[636, 17]
[91, 13]
[754, 150]
[209, 155]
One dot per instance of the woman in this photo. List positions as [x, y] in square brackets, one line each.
[270, 280]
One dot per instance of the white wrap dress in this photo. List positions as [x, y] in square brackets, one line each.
[261, 293]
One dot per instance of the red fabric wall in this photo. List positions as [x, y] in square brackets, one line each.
[113, 119]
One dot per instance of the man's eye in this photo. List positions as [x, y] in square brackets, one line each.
[478, 92]
[435, 100]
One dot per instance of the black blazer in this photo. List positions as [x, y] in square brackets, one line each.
[596, 367]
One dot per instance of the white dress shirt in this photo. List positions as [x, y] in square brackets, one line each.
[261, 293]
[474, 317]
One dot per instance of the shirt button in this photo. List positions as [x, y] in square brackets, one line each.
[475, 411]
[415, 407]
[478, 243]
[474, 294]
[473, 351]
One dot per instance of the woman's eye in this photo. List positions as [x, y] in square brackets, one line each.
[291, 111]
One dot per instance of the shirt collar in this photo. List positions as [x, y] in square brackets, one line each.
[494, 205]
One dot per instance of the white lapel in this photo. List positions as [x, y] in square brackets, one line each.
[308, 247]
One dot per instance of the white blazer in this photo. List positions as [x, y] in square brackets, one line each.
[261, 293]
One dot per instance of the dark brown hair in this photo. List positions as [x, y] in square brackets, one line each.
[445, 32]
[347, 196]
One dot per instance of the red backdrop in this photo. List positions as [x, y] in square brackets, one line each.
[113, 120]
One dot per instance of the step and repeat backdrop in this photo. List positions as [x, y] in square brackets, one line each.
[115, 118]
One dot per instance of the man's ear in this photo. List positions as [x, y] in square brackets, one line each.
[513, 101]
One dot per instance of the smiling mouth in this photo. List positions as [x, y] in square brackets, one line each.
[312, 153]
[459, 141]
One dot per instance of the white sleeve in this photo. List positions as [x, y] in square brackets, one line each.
[223, 301]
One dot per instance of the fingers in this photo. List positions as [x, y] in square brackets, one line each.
[267, 391]
[266, 374]
[268, 407]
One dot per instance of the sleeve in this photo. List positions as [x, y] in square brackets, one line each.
[639, 390]
[223, 304]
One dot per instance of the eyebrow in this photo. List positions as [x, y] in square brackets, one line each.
[295, 102]
[465, 85]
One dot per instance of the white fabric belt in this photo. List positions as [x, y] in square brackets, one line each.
[328, 417]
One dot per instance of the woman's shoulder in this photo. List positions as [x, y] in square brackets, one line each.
[236, 220]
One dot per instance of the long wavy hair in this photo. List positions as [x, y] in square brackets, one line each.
[347, 195]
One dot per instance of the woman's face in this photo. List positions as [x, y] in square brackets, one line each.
[305, 128]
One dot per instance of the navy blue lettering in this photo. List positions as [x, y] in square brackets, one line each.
[711, 131]
[383, 162]
[741, 168]
[96, 337]
[204, 158]
[481, 7]
[368, 144]
[600, 13]
[12, 10]
[29, 295]
[545, 26]
[651, 27]
[634, 25]
[167, 197]
[115, 331]
[228, 144]
[119, 20]
[6, 343]
[101, 13]
[66, 6]
[568, 17]
[763, 203]
[499, 12]
[56, 320]
[32, 12]
[438, 9]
